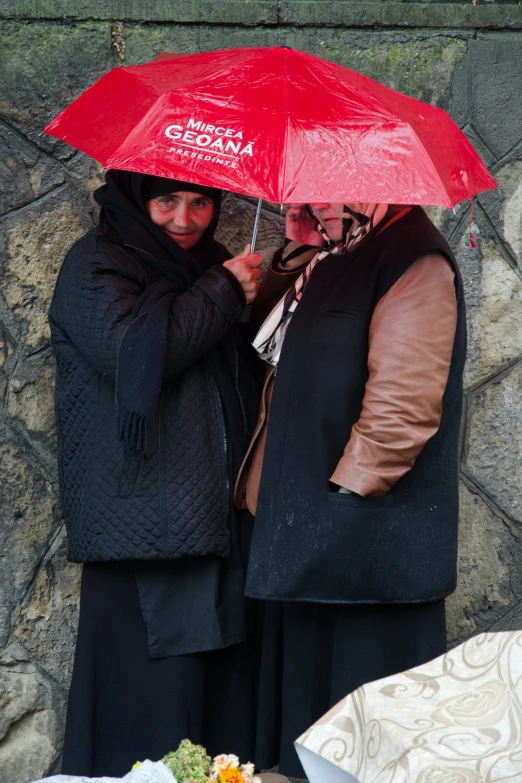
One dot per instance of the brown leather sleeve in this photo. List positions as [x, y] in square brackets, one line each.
[285, 267]
[410, 346]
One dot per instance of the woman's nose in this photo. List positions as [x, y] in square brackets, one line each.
[317, 206]
[181, 216]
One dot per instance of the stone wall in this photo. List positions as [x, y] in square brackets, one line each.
[464, 56]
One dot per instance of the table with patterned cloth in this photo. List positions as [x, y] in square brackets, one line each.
[456, 719]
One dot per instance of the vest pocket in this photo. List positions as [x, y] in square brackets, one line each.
[342, 312]
[337, 327]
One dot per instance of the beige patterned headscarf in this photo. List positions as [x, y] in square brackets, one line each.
[358, 221]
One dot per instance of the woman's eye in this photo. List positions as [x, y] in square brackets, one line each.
[200, 203]
[166, 202]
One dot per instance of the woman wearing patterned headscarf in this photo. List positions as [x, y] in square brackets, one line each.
[353, 469]
[154, 403]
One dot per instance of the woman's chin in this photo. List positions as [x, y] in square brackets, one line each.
[185, 241]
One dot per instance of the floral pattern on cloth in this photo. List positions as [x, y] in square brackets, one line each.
[456, 719]
[148, 772]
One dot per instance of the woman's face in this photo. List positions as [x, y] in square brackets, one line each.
[330, 216]
[184, 216]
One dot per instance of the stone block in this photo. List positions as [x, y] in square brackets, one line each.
[493, 456]
[483, 150]
[486, 557]
[494, 303]
[33, 403]
[496, 97]
[510, 621]
[405, 14]
[34, 242]
[15, 185]
[504, 208]
[442, 14]
[3, 350]
[457, 103]
[177, 11]
[28, 504]
[422, 68]
[510, 181]
[47, 621]
[26, 173]
[31, 718]
[44, 67]
[4, 354]
[87, 175]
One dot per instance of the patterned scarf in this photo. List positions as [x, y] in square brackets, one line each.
[358, 221]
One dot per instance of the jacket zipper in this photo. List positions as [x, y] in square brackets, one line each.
[161, 471]
[224, 443]
[238, 392]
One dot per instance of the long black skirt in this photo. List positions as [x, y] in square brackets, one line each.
[253, 699]
[125, 706]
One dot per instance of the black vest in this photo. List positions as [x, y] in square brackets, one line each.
[311, 544]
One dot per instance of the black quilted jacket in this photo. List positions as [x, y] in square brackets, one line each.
[175, 502]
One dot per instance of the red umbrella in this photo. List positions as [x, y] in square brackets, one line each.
[277, 124]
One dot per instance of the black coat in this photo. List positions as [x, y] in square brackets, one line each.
[312, 544]
[118, 505]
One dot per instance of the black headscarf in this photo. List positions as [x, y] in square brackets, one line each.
[123, 200]
[143, 349]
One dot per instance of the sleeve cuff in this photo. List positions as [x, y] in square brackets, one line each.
[225, 290]
[359, 481]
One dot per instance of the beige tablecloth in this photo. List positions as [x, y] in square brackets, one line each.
[457, 719]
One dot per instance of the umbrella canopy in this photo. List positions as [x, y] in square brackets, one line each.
[277, 124]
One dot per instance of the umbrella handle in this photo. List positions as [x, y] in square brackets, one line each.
[256, 226]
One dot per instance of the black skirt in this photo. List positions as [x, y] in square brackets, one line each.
[253, 699]
[125, 706]
[313, 655]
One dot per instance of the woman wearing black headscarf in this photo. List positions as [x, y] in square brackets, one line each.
[155, 399]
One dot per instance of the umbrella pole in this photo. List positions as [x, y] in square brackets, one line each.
[256, 226]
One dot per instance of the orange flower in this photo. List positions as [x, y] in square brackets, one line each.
[230, 775]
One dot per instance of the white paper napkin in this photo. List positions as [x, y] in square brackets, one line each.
[148, 772]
